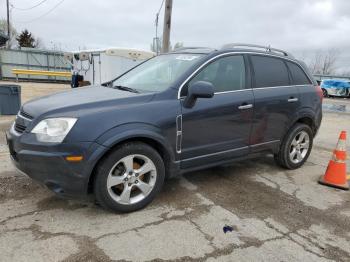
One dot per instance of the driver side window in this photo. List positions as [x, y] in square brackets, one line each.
[226, 74]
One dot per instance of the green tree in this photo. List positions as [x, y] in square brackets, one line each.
[26, 39]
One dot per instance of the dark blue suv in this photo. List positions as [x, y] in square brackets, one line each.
[182, 111]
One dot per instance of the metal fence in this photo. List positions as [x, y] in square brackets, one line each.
[321, 77]
[32, 59]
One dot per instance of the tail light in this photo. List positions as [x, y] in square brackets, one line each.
[319, 92]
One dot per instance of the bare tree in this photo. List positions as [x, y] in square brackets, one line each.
[3, 27]
[39, 43]
[156, 46]
[178, 45]
[345, 73]
[324, 62]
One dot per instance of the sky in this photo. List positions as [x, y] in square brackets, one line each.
[299, 26]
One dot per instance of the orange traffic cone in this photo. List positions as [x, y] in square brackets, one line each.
[335, 175]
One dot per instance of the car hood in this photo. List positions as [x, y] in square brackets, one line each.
[80, 99]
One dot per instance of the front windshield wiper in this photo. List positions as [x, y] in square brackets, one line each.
[125, 88]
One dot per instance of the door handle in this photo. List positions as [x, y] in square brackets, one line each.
[292, 99]
[245, 106]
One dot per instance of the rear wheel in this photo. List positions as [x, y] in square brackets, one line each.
[296, 147]
[129, 178]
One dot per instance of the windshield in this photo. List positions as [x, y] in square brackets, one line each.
[157, 74]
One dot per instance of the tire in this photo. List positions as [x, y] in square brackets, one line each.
[122, 183]
[325, 93]
[288, 156]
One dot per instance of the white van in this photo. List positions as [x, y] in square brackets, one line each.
[101, 65]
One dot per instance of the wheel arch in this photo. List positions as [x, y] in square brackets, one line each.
[153, 139]
[306, 118]
[308, 121]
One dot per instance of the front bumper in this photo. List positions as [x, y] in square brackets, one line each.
[47, 164]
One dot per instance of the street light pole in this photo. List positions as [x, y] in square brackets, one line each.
[167, 26]
[8, 23]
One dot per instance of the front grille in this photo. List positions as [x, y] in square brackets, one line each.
[26, 115]
[19, 128]
[23, 119]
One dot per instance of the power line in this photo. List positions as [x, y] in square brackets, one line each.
[49, 11]
[29, 8]
[157, 14]
[160, 8]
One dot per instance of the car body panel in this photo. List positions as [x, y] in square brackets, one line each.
[273, 113]
[48, 165]
[214, 131]
[219, 124]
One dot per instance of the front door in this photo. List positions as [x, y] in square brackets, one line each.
[218, 128]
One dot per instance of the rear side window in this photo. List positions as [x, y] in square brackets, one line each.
[269, 72]
[298, 75]
[226, 74]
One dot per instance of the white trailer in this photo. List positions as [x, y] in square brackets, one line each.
[102, 65]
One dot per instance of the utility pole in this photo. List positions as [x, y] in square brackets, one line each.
[167, 25]
[8, 23]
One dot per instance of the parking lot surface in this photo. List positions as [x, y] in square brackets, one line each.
[275, 215]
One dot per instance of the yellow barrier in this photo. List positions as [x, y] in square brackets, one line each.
[40, 72]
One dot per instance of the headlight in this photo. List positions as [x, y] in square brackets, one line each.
[53, 130]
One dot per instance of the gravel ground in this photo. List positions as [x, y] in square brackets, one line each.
[276, 215]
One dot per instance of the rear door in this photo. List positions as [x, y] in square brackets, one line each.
[276, 101]
[218, 128]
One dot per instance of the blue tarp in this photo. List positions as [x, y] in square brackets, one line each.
[335, 83]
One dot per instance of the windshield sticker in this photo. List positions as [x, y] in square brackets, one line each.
[187, 57]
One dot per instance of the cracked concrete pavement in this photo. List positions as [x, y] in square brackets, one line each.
[276, 215]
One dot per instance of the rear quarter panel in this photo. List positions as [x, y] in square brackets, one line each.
[310, 104]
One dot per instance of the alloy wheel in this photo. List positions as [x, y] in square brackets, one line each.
[131, 179]
[299, 147]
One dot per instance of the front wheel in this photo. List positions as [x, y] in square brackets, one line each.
[129, 178]
[296, 147]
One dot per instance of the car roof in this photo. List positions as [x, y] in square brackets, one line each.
[194, 50]
[233, 48]
[212, 51]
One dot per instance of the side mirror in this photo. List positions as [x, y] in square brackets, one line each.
[200, 89]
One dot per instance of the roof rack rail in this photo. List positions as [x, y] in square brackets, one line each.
[266, 48]
[192, 47]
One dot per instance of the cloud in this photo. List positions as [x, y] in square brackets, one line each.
[296, 25]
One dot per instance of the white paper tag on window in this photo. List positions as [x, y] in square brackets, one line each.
[187, 57]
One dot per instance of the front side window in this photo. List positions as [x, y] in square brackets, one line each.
[269, 72]
[158, 73]
[226, 74]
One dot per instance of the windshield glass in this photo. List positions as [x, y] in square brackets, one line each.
[157, 74]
